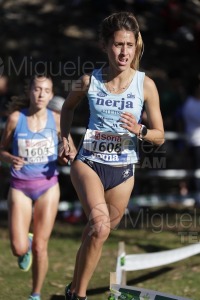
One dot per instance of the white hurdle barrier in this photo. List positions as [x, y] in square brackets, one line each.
[133, 262]
[124, 292]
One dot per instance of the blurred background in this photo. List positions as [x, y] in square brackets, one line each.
[61, 37]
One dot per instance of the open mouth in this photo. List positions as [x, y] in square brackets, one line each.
[123, 60]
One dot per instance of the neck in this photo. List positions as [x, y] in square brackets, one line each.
[37, 112]
[118, 82]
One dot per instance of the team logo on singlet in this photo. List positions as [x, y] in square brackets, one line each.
[130, 95]
[101, 94]
[22, 134]
[119, 104]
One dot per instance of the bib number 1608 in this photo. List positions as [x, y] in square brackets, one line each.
[103, 146]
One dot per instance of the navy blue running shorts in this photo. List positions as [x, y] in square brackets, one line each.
[110, 176]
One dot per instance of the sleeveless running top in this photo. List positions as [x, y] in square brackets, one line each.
[105, 140]
[39, 149]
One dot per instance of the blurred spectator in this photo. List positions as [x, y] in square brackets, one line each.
[56, 103]
[191, 119]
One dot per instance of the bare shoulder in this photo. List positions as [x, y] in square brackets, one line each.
[86, 81]
[81, 85]
[149, 83]
[10, 126]
[78, 92]
[13, 119]
[150, 89]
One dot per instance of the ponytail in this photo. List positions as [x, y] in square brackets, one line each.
[17, 103]
[139, 52]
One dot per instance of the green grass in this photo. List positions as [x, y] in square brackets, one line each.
[181, 278]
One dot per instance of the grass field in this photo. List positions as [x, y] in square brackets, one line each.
[154, 231]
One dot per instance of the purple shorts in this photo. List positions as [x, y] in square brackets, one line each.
[33, 188]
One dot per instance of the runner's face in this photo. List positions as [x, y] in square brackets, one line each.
[121, 49]
[41, 92]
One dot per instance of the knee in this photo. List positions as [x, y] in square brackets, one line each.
[100, 230]
[39, 248]
[19, 249]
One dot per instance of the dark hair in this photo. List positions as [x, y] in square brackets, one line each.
[23, 101]
[120, 21]
[38, 76]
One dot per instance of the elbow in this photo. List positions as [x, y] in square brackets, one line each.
[160, 142]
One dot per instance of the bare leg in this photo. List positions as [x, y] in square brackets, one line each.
[103, 212]
[84, 235]
[45, 211]
[20, 214]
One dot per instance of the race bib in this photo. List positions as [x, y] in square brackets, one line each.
[107, 146]
[36, 150]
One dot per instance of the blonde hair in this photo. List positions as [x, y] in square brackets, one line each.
[139, 52]
[119, 21]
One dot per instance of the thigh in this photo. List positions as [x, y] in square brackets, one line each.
[20, 214]
[45, 211]
[89, 189]
[117, 200]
